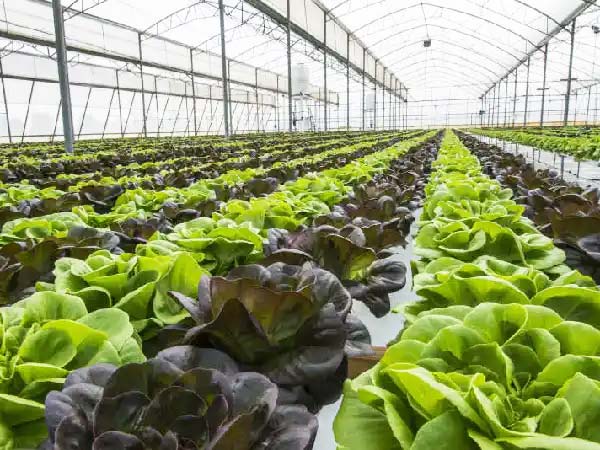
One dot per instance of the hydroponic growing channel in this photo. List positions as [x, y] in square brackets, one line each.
[299, 225]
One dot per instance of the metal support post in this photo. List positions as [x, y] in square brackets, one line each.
[289, 68]
[6, 102]
[85, 108]
[325, 107]
[63, 75]
[119, 99]
[193, 92]
[383, 102]
[514, 112]
[363, 89]
[224, 73]
[144, 124]
[498, 108]
[526, 113]
[392, 102]
[481, 112]
[348, 83]
[544, 85]
[492, 108]
[277, 104]
[375, 105]
[257, 100]
[157, 106]
[506, 100]
[112, 97]
[587, 111]
[570, 77]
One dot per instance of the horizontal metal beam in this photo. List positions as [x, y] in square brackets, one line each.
[554, 32]
[281, 20]
[132, 59]
[122, 89]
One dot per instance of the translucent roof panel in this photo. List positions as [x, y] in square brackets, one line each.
[473, 42]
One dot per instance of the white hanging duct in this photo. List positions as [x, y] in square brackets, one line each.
[300, 80]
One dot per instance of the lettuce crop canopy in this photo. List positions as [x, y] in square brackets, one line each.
[44, 337]
[38, 228]
[219, 245]
[490, 377]
[185, 398]
[470, 238]
[282, 209]
[287, 322]
[447, 281]
[348, 253]
[137, 285]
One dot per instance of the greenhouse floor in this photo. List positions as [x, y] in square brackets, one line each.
[589, 171]
[382, 331]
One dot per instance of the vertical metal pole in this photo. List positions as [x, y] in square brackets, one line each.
[363, 88]
[525, 114]
[63, 75]
[249, 111]
[391, 108]
[514, 112]
[6, 102]
[506, 100]
[224, 72]
[482, 98]
[157, 105]
[395, 123]
[575, 109]
[144, 125]
[492, 108]
[277, 104]
[256, 96]
[383, 102]
[230, 99]
[348, 83]
[498, 106]
[55, 121]
[194, 92]
[544, 85]
[112, 97]
[289, 68]
[325, 99]
[120, 105]
[87, 102]
[406, 111]
[375, 106]
[570, 77]
[587, 111]
[27, 112]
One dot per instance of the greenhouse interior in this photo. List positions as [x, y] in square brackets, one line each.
[300, 224]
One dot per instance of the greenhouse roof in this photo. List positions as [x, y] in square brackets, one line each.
[473, 43]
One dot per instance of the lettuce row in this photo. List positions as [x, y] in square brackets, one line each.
[581, 148]
[497, 376]
[140, 204]
[464, 373]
